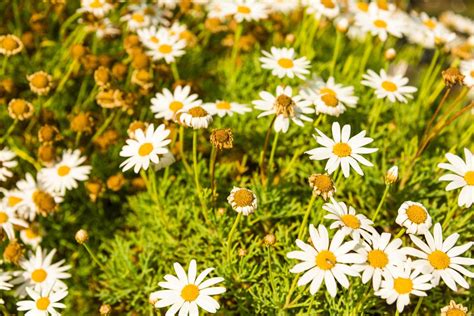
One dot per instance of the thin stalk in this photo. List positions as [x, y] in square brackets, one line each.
[94, 258]
[264, 150]
[9, 131]
[382, 200]
[236, 46]
[196, 176]
[212, 168]
[78, 139]
[400, 233]
[336, 52]
[231, 233]
[368, 50]
[4, 65]
[290, 291]
[375, 117]
[272, 153]
[181, 150]
[435, 114]
[418, 305]
[174, 70]
[306, 216]
[104, 126]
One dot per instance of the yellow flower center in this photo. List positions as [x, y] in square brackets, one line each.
[145, 149]
[326, 90]
[455, 312]
[328, 4]
[42, 303]
[243, 9]
[197, 111]
[14, 200]
[430, 24]
[190, 292]
[416, 214]
[243, 197]
[154, 39]
[137, 17]
[325, 260]
[9, 43]
[223, 105]
[165, 49]
[469, 177]
[3, 217]
[389, 86]
[96, 4]
[377, 258]
[342, 150]
[44, 201]
[403, 285]
[322, 182]
[381, 24]
[19, 106]
[175, 106]
[330, 100]
[63, 171]
[363, 6]
[40, 80]
[472, 73]
[350, 221]
[39, 275]
[30, 233]
[285, 63]
[439, 260]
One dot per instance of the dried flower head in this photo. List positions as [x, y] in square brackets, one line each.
[48, 134]
[142, 78]
[452, 76]
[322, 184]
[47, 154]
[242, 200]
[20, 109]
[222, 138]
[109, 98]
[140, 60]
[10, 45]
[44, 202]
[81, 236]
[116, 182]
[94, 188]
[454, 309]
[284, 105]
[40, 82]
[102, 76]
[269, 239]
[13, 252]
[82, 123]
[105, 309]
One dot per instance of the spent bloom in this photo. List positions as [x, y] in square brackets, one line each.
[242, 200]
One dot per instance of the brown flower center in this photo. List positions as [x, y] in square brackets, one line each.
[416, 214]
[322, 182]
[19, 106]
[44, 201]
[377, 258]
[197, 111]
[285, 106]
[243, 197]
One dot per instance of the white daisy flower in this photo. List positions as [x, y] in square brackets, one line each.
[348, 221]
[166, 104]
[195, 116]
[379, 23]
[216, 9]
[441, 258]
[223, 108]
[38, 271]
[5, 277]
[285, 106]
[283, 6]
[30, 236]
[146, 147]
[42, 302]
[65, 174]
[414, 217]
[242, 200]
[245, 10]
[381, 255]
[467, 69]
[98, 8]
[343, 150]
[392, 87]
[168, 47]
[462, 176]
[329, 97]
[402, 282]
[143, 15]
[166, 160]
[150, 36]
[325, 260]
[454, 309]
[8, 219]
[6, 163]
[320, 8]
[185, 292]
[283, 63]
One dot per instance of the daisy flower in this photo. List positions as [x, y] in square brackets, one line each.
[66, 173]
[392, 87]
[98, 8]
[166, 160]
[223, 108]
[320, 8]
[343, 150]
[150, 36]
[467, 70]
[403, 281]
[283, 63]
[325, 260]
[285, 106]
[8, 219]
[6, 163]
[43, 301]
[5, 276]
[348, 221]
[185, 292]
[454, 309]
[245, 10]
[30, 236]
[194, 116]
[381, 255]
[145, 147]
[283, 6]
[379, 23]
[166, 104]
[242, 200]
[441, 258]
[414, 217]
[38, 271]
[330, 97]
[168, 47]
[462, 176]
[322, 184]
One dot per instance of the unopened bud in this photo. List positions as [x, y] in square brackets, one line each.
[392, 175]
[390, 54]
[82, 236]
[269, 240]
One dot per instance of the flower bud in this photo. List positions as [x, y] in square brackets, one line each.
[392, 175]
[81, 236]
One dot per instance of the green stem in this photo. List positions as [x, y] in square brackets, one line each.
[4, 65]
[382, 200]
[196, 176]
[9, 131]
[306, 216]
[78, 139]
[400, 233]
[181, 150]
[418, 305]
[264, 150]
[231, 233]
[104, 126]
[336, 52]
[272, 153]
[94, 258]
[236, 46]
[212, 168]
[174, 70]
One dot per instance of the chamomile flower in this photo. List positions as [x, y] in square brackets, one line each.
[381, 255]
[42, 302]
[245, 10]
[143, 15]
[379, 23]
[329, 97]
[343, 150]
[454, 309]
[462, 176]
[414, 217]
[325, 260]
[442, 258]
[348, 221]
[166, 160]
[403, 281]
[320, 8]
[283, 63]
[393, 88]
[8, 219]
[146, 147]
[223, 108]
[283, 6]
[185, 292]
[467, 70]
[285, 106]
[39, 271]
[195, 116]
[168, 47]
[5, 277]
[99, 8]
[166, 104]
[66, 173]
[150, 36]
[242, 200]
[31, 236]
[6, 163]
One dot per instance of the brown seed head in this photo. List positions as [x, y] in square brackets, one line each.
[284, 105]
[81, 236]
[452, 76]
[222, 138]
[13, 252]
